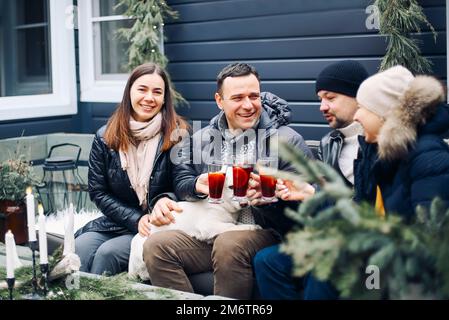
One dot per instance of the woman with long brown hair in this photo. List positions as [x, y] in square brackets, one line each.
[130, 170]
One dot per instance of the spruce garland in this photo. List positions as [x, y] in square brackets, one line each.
[146, 34]
[117, 287]
[398, 19]
[107, 288]
[337, 243]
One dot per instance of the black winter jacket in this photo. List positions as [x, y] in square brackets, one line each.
[110, 188]
[420, 174]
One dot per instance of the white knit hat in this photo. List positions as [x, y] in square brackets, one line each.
[382, 92]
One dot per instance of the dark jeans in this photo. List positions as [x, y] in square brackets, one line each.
[274, 278]
[315, 289]
[102, 252]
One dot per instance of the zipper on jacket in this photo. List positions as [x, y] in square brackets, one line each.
[159, 147]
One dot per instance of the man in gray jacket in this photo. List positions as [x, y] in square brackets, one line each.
[173, 255]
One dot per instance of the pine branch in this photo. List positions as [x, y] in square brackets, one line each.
[146, 34]
[296, 157]
[398, 19]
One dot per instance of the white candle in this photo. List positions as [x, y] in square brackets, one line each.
[69, 239]
[10, 246]
[43, 252]
[31, 215]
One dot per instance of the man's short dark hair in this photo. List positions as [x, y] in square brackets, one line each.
[237, 69]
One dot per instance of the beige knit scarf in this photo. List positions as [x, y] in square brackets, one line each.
[138, 160]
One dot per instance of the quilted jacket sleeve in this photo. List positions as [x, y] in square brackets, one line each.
[185, 173]
[100, 193]
[429, 172]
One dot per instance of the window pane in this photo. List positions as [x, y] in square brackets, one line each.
[102, 8]
[33, 55]
[25, 65]
[110, 48]
[31, 11]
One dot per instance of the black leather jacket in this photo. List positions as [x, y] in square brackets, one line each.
[110, 188]
[330, 149]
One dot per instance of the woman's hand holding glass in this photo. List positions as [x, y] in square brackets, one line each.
[288, 191]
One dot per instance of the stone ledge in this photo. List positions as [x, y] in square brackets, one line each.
[152, 292]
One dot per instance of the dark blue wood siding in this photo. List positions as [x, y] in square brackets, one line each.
[288, 41]
[10, 129]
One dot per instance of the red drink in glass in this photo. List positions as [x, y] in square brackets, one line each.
[216, 179]
[267, 168]
[268, 186]
[240, 178]
[216, 183]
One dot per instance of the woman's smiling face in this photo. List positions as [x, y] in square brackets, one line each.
[371, 123]
[147, 96]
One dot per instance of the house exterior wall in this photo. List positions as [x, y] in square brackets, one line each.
[288, 41]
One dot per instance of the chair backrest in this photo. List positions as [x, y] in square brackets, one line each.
[63, 152]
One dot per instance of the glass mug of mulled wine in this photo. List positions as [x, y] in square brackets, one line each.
[242, 167]
[216, 179]
[267, 168]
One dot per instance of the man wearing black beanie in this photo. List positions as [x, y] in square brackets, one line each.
[336, 87]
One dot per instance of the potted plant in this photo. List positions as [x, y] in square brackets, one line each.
[15, 176]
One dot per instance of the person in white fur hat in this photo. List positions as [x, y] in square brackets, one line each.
[404, 161]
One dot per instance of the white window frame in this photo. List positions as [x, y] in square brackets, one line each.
[2, 84]
[94, 90]
[62, 100]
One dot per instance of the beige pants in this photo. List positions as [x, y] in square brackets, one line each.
[171, 255]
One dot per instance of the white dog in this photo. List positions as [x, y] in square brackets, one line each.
[201, 220]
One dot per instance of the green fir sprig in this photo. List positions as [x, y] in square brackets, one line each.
[398, 20]
[145, 36]
[118, 287]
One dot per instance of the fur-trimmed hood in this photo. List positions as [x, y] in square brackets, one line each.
[417, 107]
